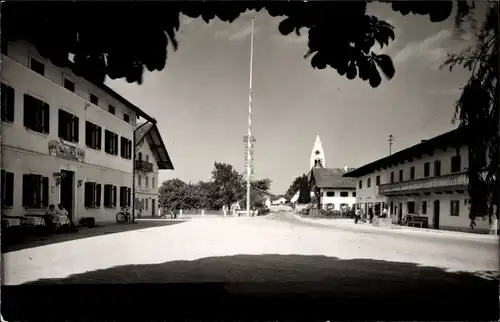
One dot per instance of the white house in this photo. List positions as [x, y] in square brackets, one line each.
[335, 192]
[151, 156]
[428, 180]
[279, 201]
[64, 139]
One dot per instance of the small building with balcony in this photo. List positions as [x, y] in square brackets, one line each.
[150, 156]
[427, 181]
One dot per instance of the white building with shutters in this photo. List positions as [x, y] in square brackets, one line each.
[65, 139]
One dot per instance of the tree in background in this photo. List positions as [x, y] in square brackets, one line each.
[262, 184]
[294, 187]
[478, 112]
[305, 191]
[230, 184]
[173, 190]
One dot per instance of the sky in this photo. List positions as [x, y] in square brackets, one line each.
[200, 99]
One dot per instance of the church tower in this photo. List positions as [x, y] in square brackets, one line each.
[317, 155]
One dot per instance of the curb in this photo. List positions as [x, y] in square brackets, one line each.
[402, 230]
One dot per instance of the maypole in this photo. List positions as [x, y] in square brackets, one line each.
[249, 139]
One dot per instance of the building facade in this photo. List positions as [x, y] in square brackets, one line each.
[64, 139]
[428, 180]
[151, 156]
[333, 190]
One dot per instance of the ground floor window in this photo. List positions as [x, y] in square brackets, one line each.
[125, 196]
[7, 189]
[109, 196]
[35, 191]
[454, 207]
[92, 195]
[411, 207]
[424, 207]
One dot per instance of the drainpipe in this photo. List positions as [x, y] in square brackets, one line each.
[133, 173]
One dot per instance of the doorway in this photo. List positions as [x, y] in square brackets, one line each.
[153, 207]
[400, 212]
[436, 215]
[67, 191]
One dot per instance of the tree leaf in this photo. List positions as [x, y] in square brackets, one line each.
[385, 64]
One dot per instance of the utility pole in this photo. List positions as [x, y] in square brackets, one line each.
[250, 138]
[391, 140]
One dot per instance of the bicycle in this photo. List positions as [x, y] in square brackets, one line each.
[123, 216]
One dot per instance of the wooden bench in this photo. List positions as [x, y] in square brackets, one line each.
[420, 221]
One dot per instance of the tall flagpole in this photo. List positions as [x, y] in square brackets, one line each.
[250, 139]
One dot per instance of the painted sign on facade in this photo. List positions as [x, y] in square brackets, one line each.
[62, 150]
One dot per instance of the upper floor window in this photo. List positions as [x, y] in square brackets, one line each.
[94, 99]
[427, 169]
[7, 181]
[111, 109]
[330, 193]
[146, 181]
[412, 173]
[37, 66]
[354, 193]
[140, 156]
[437, 168]
[147, 158]
[153, 182]
[35, 191]
[93, 135]
[369, 182]
[36, 114]
[126, 148]
[456, 163]
[68, 126]
[69, 85]
[392, 176]
[139, 180]
[111, 142]
[92, 195]
[401, 175]
[360, 184]
[109, 196]
[344, 194]
[377, 180]
[7, 101]
[126, 118]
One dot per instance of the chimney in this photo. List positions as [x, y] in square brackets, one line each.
[345, 167]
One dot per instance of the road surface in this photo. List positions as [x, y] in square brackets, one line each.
[298, 257]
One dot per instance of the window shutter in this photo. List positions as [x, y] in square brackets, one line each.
[88, 195]
[116, 144]
[26, 190]
[45, 188]
[9, 189]
[11, 94]
[46, 118]
[122, 148]
[27, 111]
[76, 129]
[130, 149]
[62, 124]
[98, 195]
[106, 195]
[88, 134]
[113, 196]
[106, 141]
[99, 131]
[129, 195]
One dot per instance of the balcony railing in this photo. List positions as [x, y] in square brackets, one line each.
[144, 165]
[446, 181]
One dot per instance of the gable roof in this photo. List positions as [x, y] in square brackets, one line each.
[454, 138]
[331, 178]
[151, 133]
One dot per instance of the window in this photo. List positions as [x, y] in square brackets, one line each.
[125, 196]
[110, 142]
[126, 148]
[126, 118]
[146, 183]
[146, 203]
[360, 184]
[35, 191]
[437, 168]
[69, 85]
[392, 177]
[36, 114]
[411, 207]
[401, 175]
[427, 169]
[354, 193]
[147, 158]
[109, 196]
[369, 182]
[456, 163]
[92, 195]
[153, 182]
[424, 207]
[377, 180]
[7, 101]
[139, 179]
[93, 135]
[7, 181]
[140, 156]
[344, 194]
[94, 99]
[330, 193]
[412, 173]
[37, 66]
[68, 126]
[111, 109]
[454, 207]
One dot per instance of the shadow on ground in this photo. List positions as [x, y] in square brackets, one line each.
[35, 241]
[351, 289]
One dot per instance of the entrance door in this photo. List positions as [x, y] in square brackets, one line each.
[436, 214]
[67, 191]
[400, 212]
[153, 207]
